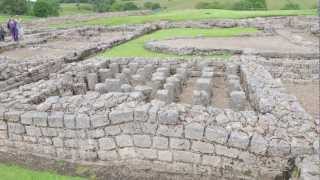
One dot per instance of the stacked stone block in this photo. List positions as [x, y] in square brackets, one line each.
[203, 87]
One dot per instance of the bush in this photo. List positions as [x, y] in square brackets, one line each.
[102, 5]
[250, 5]
[128, 6]
[291, 6]
[17, 7]
[45, 8]
[209, 5]
[151, 5]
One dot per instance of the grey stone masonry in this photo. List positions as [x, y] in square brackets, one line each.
[40, 119]
[105, 74]
[120, 116]
[238, 100]
[113, 85]
[92, 80]
[55, 119]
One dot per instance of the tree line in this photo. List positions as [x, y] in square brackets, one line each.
[45, 8]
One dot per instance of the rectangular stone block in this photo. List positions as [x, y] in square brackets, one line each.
[40, 119]
[99, 120]
[108, 155]
[214, 161]
[165, 156]
[49, 132]
[13, 116]
[147, 153]
[2, 111]
[142, 141]
[194, 131]
[69, 121]
[105, 74]
[180, 144]
[82, 121]
[16, 128]
[92, 80]
[88, 155]
[141, 113]
[33, 131]
[217, 134]
[127, 153]
[96, 133]
[113, 85]
[124, 141]
[3, 125]
[169, 116]
[160, 142]
[170, 130]
[55, 119]
[121, 115]
[107, 143]
[185, 156]
[26, 118]
[112, 130]
[202, 147]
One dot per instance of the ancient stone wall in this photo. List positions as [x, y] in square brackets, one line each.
[124, 126]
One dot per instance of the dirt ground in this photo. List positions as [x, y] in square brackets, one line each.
[59, 48]
[308, 95]
[264, 44]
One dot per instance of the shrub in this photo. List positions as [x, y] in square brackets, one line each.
[250, 5]
[291, 6]
[102, 5]
[151, 5]
[17, 7]
[128, 6]
[45, 8]
[209, 5]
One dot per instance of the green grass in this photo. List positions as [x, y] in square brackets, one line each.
[135, 48]
[12, 172]
[73, 9]
[190, 4]
[182, 15]
[4, 18]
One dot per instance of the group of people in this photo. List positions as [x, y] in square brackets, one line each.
[15, 29]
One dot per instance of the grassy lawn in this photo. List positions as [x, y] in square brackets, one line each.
[4, 18]
[73, 9]
[11, 172]
[135, 48]
[182, 15]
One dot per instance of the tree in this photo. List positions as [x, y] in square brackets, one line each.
[14, 7]
[45, 8]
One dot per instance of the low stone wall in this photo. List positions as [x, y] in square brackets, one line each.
[171, 138]
[15, 73]
[289, 69]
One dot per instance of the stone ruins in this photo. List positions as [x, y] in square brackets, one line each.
[198, 118]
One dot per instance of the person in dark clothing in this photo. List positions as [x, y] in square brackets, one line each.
[12, 26]
[2, 33]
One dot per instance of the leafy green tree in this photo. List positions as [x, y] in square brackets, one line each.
[14, 7]
[45, 8]
[151, 5]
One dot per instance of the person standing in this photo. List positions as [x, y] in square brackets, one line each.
[2, 33]
[20, 29]
[12, 26]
